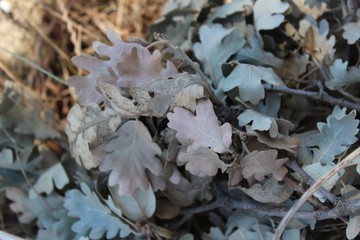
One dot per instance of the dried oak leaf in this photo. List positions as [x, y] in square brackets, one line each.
[270, 191]
[202, 162]
[87, 129]
[179, 90]
[202, 129]
[129, 155]
[128, 65]
[258, 164]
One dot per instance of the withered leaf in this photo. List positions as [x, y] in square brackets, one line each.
[259, 164]
[129, 155]
[202, 129]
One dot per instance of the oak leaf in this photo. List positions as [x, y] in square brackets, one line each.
[87, 129]
[202, 129]
[201, 162]
[259, 164]
[127, 65]
[129, 154]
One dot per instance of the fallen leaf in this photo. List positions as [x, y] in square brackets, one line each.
[202, 129]
[138, 207]
[262, 163]
[270, 191]
[87, 129]
[201, 162]
[129, 154]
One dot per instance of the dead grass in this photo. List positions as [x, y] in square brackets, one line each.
[50, 32]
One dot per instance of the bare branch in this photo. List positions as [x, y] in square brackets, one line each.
[318, 95]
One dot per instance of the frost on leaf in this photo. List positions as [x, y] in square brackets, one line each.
[259, 164]
[216, 47]
[87, 129]
[341, 76]
[352, 30]
[202, 129]
[334, 137]
[129, 154]
[267, 14]
[55, 176]
[128, 65]
[201, 162]
[95, 218]
[247, 78]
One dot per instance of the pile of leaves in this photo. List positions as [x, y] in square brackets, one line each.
[223, 124]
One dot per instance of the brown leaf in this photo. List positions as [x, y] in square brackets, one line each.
[287, 143]
[270, 191]
[235, 174]
[259, 164]
[202, 129]
[202, 162]
[129, 155]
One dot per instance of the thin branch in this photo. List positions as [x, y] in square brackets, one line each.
[321, 96]
[310, 181]
[344, 163]
[342, 209]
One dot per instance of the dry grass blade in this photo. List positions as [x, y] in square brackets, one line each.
[344, 163]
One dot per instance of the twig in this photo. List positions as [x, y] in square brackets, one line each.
[310, 181]
[343, 209]
[344, 163]
[321, 96]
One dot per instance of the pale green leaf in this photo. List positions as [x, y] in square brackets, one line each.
[216, 47]
[341, 76]
[21, 108]
[353, 227]
[316, 171]
[230, 8]
[247, 78]
[95, 218]
[254, 53]
[334, 138]
[267, 14]
[139, 206]
[352, 30]
[55, 176]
